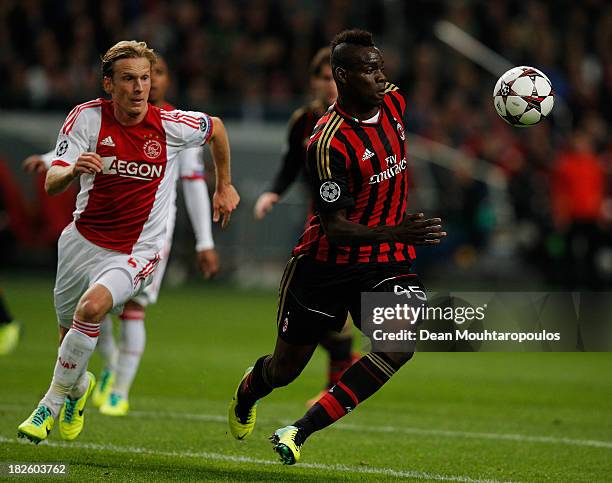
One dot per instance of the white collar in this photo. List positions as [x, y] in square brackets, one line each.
[373, 119]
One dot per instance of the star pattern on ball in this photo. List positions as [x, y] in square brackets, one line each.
[523, 96]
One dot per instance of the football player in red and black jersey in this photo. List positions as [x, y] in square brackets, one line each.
[360, 240]
[303, 121]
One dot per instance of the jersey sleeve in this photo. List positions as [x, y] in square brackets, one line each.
[328, 175]
[187, 129]
[293, 158]
[198, 207]
[74, 137]
[191, 165]
[191, 169]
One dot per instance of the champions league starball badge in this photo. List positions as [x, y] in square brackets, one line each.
[329, 191]
[62, 147]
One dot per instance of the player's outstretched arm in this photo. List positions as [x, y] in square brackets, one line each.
[226, 198]
[59, 177]
[34, 164]
[264, 204]
[198, 208]
[291, 165]
[414, 230]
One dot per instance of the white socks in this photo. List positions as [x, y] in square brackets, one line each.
[80, 387]
[71, 364]
[70, 373]
[130, 351]
[106, 345]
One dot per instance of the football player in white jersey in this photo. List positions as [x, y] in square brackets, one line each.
[120, 364]
[125, 153]
[111, 395]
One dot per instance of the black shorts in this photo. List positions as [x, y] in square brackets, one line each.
[316, 297]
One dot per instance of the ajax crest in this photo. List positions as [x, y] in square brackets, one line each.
[152, 149]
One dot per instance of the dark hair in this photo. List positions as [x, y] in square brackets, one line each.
[320, 59]
[353, 36]
[356, 37]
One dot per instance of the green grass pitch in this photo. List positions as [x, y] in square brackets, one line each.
[444, 417]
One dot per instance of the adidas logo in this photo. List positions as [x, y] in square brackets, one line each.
[108, 141]
[367, 154]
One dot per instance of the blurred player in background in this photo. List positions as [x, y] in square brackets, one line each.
[121, 364]
[301, 125]
[360, 240]
[9, 328]
[125, 153]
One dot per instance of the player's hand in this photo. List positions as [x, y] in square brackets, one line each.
[208, 261]
[225, 200]
[416, 230]
[87, 163]
[34, 164]
[265, 203]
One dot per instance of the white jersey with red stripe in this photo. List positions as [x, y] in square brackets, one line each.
[126, 207]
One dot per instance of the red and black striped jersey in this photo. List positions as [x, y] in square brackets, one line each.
[361, 167]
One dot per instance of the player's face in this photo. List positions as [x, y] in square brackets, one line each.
[324, 86]
[365, 79]
[130, 85]
[159, 81]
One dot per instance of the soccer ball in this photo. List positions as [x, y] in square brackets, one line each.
[523, 96]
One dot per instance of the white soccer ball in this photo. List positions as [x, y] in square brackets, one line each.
[523, 96]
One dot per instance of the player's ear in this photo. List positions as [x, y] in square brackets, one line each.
[340, 75]
[107, 84]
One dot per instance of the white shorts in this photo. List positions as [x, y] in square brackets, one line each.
[81, 264]
[151, 292]
[149, 295]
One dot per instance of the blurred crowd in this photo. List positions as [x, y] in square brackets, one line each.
[248, 59]
[245, 57]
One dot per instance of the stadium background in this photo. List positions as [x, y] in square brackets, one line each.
[502, 192]
[523, 208]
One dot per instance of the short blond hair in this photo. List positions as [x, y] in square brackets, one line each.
[126, 49]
